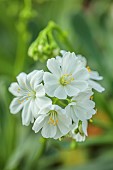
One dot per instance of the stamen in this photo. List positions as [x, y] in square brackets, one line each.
[53, 118]
[66, 79]
[88, 68]
[20, 101]
[18, 90]
[31, 94]
[91, 98]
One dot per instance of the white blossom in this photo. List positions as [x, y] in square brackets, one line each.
[29, 95]
[53, 121]
[67, 78]
[81, 106]
[79, 131]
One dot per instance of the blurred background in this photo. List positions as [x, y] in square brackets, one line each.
[89, 24]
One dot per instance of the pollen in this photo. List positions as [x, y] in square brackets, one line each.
[53, 118]
[18, 90]
[91, 98]
[20, 101]
[88, 68]
[66, 79]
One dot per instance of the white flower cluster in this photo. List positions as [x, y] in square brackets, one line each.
[58, 102]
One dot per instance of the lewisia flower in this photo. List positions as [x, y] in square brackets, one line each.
[79, 131]
[29, 95]
[67, 78]
[81, 107]
[94, 76]
[54, 122]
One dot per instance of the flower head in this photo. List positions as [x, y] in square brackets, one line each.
[68, 77]
[53, 121]
[29, 95]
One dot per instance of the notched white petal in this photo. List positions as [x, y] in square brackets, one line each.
[16, 105]
[40, 90]
[15, 89]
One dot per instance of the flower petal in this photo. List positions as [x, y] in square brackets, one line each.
[64, 123]
[43, 102]
[34, 108]
[30, 75]
[48, 130]
[37, 78]
[40, 90]
[54, 67]
[83, 96]
[15, 89]
[95, 75]
[96, 86]
[58, 134]
[27, 116]
[84, 127]
[68, 63]
[79, 137]
[82, 74]
[16, 105]
[71, 90]
[82, 59]
[60, 92]
[50, 89]
[87, 104]
[82, 114]
[81, 85]
[21, 78]
[38, 124]
[50, 78]
[71, 113]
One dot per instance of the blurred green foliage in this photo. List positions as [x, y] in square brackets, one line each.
[89, 24]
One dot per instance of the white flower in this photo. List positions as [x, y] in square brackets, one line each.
[79, 131]
[94, 76]
[29, 95]
[67, 78]
[53, 121]
[81, 107]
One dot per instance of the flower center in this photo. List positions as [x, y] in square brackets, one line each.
[32, 94]
[66, 79]
[53, 117]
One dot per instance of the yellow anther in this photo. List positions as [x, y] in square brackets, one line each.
[57, 121]
[52, 121]
[88, 68]
[20, 101]
[90, 120]
[66, 79]
[91, 97]
[18, 90]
